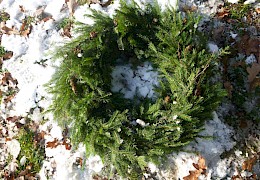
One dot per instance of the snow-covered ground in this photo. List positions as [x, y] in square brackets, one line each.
[32, 67]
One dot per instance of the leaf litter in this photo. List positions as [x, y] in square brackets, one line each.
[248, 46]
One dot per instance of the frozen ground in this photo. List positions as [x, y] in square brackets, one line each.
[31, 67]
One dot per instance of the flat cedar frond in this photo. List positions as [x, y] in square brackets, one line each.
[128, 133]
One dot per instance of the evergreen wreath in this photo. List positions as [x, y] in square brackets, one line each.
[102, 119]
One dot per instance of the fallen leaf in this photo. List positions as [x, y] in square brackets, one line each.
[9, 98]
[257, 10]
[19, 125]
[167, 99]
[26, 32]
[9, 31]
[8, 139]
[239, 63]
[248, 164]
[98, 177]
[249, 45]
[1, 62]
[39, 137]
[22, 9]
[66, 144]
[25, 28]
[47, 18]
[79, 161]
[71, 5]
[8, 55]
[253, 71]
[73, 84]
[52, 144]
[192, 176]
[243, 124]
[106, 3]
[13, 118]
[223, 12]
[228, 86]
[254, 84]
[8, 80]
[200, 169]
[23, 173]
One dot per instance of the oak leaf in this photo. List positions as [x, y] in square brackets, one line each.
[248, 164]
[253, 71]
[200, 169]
[53, 144]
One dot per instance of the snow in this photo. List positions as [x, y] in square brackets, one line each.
[213, 47]
[131, 82]
[250, 59]
[13, 148]
[139, 81]
[233, 1]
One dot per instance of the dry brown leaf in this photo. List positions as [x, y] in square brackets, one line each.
[239, 63]
[79, 161]
[73, 84]
[52, 144]
[39, 137]
[66, 32]
[106, 3]
[71, 5]
[66, 144]
[47, 18]
[8, 139]
[223, 12]
[200, 169]
[9, 98]
[167, 99]
[253, 71]
[257, 10]
[187, 8]
[8, 80]
[8, 55]
[248, 164]
[22, 9]
[25, 29]
[26, 32]
[13, 118]
[9, 31]
[98, 177]
[254, 84]
[228, 86]
[19, 125]
[23, 173]
[249, 45]
[243, 124]
[192, 176]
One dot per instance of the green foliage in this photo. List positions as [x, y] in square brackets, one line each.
[105, 121]
[65, 23]
[2, 51]
[32, 150]
[4, 16]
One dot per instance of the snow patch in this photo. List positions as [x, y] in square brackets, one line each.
[13, 148]
[132, 82]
